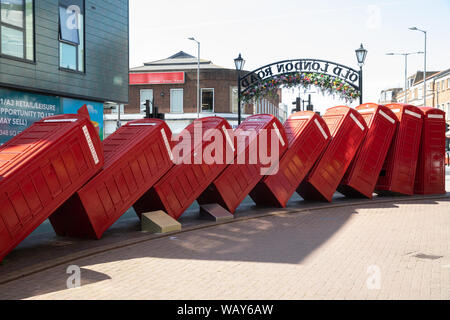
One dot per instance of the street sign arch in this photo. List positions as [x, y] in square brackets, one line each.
[330, 77]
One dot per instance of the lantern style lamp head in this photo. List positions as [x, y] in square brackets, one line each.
[361, 54]
[239, 63]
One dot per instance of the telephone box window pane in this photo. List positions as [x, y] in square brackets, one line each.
[12, 42]
[12, 12]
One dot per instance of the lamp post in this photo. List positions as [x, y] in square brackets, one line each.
[119, 123]
[406, 67]
[198, 77]
[361, 54]
[239, 63]
[424, 66]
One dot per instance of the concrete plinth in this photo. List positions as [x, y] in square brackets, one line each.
[159, 222]
[215, 212]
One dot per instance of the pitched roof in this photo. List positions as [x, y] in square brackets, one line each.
[179, 61]
[180, 55]
[443, 73]
[391, 89]
[418, 77]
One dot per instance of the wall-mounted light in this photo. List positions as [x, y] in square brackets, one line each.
[162, 94]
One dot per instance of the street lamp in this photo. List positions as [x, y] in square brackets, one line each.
[361, 54]
[424, 66]
[406, 67]
[239, 63]
[198, 77]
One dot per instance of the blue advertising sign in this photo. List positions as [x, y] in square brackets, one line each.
[19, 110]
[95, 111]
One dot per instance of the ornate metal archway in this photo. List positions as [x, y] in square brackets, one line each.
[330, 77]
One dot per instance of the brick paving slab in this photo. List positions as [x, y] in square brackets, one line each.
[396, 250]
[43, 249]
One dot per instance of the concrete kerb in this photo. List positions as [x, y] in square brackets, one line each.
[11, 276]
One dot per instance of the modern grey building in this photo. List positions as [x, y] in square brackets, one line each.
[57, 55]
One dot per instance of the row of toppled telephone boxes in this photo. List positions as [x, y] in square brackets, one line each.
[59, 169]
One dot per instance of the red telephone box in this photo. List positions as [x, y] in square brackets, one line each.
[348, 129]
[40, 169]
[430, 174]
[137, 155]
[399, 169]
[307, 136]
[186, 180]
[362, 175]
[231, 187]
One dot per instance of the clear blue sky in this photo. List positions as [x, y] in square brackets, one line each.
[267, 31]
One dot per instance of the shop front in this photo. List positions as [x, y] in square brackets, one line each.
[20, 109]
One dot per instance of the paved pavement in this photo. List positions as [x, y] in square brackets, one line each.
[376, 251]
[397, 249]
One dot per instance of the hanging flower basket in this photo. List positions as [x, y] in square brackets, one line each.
[326, 84]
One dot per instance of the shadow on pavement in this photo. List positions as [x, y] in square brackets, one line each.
[283, 238]
[41, 286]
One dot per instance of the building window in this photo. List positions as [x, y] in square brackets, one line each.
[234, 99]
[116, 107]
[176, 100]
[16, 29]
[448, 110]
[146, 94]
[438, 86]
[71, 34]
[448, 83]
[388, 96]
[420, 94]
[207, 100]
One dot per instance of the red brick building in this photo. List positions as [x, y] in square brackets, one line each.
[172, 86]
